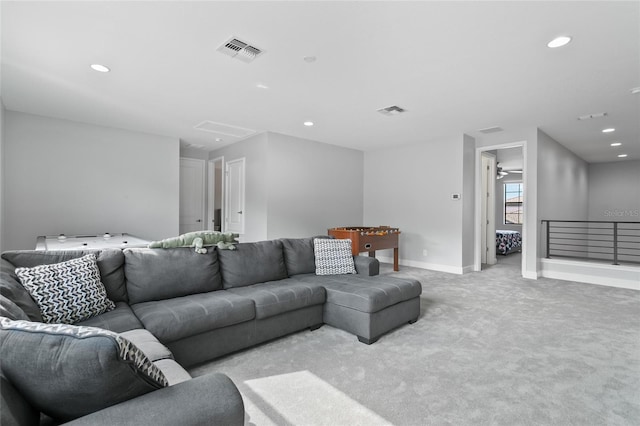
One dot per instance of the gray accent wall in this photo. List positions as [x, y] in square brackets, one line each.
[411, 187]
[614, 191]
[297, 187]
[313, 186]
[74, 178]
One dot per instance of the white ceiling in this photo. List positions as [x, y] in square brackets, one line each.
[454, 66]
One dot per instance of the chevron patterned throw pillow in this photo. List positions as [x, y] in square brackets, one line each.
[67, 292]
[333, 257]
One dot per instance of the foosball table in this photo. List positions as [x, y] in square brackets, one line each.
[370, 239]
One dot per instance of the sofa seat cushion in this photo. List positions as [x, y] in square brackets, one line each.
[173, 319]
[277, 297]
[158, 274]
[365, 294]
[252, 263]
[118, 320]
[148, 344]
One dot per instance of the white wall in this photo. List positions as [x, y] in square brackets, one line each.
[410, 187]
[614, 193]
[74, 178]
[468, 202]
[562, 182]
[313, 186]
[2, 179]
[254, 150]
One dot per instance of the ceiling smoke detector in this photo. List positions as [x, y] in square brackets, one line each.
[240, 50]
[392, 110]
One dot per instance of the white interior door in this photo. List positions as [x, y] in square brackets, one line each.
[191, 195]
[215, 191]
[488, 225]
[234, 196]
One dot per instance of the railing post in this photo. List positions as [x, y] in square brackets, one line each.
[548, 233]
[615, 243]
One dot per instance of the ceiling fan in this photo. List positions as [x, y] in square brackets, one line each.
[500, 172]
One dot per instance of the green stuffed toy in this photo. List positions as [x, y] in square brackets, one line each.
[199, 239]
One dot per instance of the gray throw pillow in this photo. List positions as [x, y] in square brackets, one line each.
[67, 371]
[67, 292]
[333, 257]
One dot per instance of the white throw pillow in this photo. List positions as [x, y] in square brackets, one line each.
[67, 292]
[333, 256]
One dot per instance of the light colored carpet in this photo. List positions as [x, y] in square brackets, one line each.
[490, 348]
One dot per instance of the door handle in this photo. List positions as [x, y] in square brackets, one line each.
[240, 212]
[199, 220]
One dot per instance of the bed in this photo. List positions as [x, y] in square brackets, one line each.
[508, 242]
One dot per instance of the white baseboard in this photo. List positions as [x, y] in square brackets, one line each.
[592, 273]
[424, 265]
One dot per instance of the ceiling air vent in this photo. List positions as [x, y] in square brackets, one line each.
[392, 110]
[240, 50]
[224, 129]
[488, 130]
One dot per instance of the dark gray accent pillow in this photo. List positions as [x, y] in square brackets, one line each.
[110, 262]
[11, 288]
[158, 274]
[252, 263]
[298, 255]
[67, 371]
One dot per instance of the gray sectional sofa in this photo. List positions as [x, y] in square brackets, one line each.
[182, 308]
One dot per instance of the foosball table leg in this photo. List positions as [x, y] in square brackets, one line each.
[395, 259]
[372, 253]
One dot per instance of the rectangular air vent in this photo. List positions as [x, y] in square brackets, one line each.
[224, 129]
[239, 50]
[392, 110]
[488, 130]
[592, 116]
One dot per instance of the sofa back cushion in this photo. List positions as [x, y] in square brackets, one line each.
[158, 274]
[13, 291]
[110, 263]
[252, 263]
[298, 255]
[67, 371]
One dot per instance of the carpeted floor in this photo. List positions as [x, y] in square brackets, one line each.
[490, 348]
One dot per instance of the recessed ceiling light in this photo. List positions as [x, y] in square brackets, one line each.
[100, 68]
[622, 155]
[559, 42]
[218, 139]
[616, 144]
[262, 86]
[609, 130]
[308, 123]
[635, 90]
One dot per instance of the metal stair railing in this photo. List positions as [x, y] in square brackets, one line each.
[611, 241]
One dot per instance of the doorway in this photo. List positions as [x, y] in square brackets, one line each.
[493, 165]
[191, 195]
[216, 194]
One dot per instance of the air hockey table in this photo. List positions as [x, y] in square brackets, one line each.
[84, 242]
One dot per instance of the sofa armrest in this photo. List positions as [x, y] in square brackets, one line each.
[365, 265]
[211, 399]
